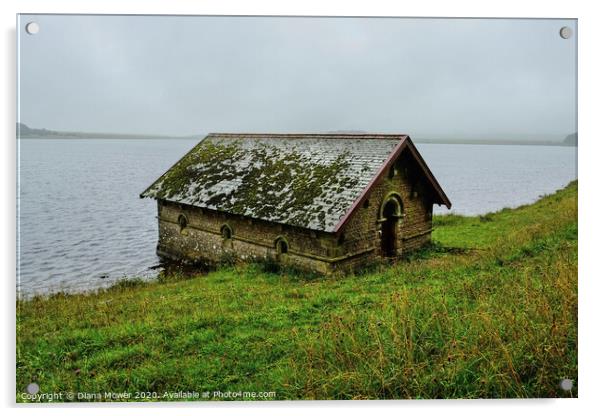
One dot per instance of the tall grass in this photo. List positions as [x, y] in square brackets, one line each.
[489, 310]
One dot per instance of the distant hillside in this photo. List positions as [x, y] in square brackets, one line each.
[24, 131]
[532, 140]
[571, 140]
[511, 142]
[347, 132]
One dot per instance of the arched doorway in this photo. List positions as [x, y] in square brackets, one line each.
[390, 213]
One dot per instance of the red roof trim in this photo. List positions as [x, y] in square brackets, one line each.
[405, 142]
[396, 152]
[444, 199]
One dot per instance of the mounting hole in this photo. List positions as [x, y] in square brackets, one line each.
[33, 388]
[566, 32]
[32, 28]
[566, 384]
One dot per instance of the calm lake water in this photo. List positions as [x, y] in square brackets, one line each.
[82, 225]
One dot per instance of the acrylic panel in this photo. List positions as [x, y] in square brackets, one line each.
[295, 208]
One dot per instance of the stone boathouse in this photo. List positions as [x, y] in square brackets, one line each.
[321, 202]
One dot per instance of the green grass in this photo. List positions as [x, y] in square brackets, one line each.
[490, 310]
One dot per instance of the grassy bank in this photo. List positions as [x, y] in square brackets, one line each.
[489, 311]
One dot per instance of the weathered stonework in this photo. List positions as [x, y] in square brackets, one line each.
[391, 217]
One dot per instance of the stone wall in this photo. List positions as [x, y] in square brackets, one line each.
[202, 239]
[359, 242]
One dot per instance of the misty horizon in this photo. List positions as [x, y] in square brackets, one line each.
[483, 79]
[342, 131]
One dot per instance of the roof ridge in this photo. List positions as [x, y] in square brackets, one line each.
[311, 135]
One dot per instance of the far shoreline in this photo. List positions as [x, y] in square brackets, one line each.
[112, 136]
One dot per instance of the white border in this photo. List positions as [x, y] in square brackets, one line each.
[589, 197]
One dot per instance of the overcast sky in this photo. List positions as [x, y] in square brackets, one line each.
[430, 78]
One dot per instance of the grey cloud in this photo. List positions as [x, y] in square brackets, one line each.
[438, 78]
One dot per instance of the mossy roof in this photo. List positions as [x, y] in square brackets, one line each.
[309, 181]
